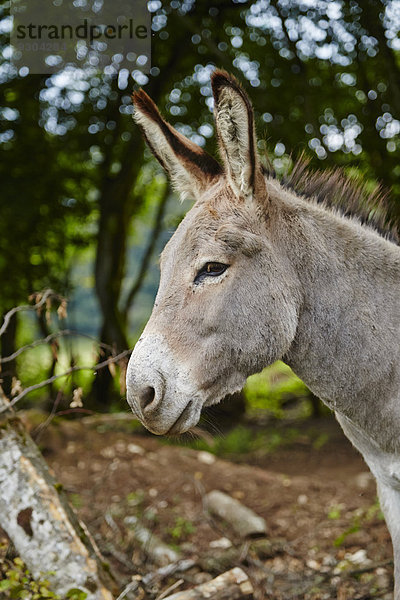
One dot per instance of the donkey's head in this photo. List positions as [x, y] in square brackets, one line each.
[225, 307]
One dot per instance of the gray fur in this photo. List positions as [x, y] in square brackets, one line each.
[305, 284]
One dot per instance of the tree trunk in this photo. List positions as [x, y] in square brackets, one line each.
[37, 517]
[115, 213]
[8, 347]
[370, 18]
[156, 230]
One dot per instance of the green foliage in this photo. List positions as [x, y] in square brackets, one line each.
[269, 389]
[358, 520]
[335, 512]
[75, 500]
[76, 594]
[353, 528]
[34, 365]
[181, 529]
[244, 440]
[320, 441]
[17, 583]
[136, 499]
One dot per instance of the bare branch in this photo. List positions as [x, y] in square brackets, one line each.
[73, 369]
[52, 337]
[47, 295]
[170, 588]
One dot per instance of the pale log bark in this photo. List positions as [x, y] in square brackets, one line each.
[232, 585]
[38, 519]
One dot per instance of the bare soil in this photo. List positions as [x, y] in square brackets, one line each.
[326, 536]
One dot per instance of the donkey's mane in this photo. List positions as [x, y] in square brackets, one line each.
[335, 190]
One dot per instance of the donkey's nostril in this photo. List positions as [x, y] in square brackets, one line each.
[146, 396]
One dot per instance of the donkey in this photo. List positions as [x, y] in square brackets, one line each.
[257, 272]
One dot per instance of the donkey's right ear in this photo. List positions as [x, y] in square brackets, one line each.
[190, 168]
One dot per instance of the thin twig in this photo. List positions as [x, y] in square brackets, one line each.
[37, 386]
[109, 548]
[42, 426]
[381, 593]
[171, 588]
[74, 411]
[176, 567]
[49, 339]
[131, 587]
[46, 295]
[370, 567]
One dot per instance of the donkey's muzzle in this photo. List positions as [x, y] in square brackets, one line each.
[158, 391]
[144, 396]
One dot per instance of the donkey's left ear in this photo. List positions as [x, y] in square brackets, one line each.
[234, 120]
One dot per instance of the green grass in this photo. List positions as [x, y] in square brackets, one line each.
[181, 529]
[16, 582]
[359, 519]
[33, 366]
[272, 387]
[243, 440]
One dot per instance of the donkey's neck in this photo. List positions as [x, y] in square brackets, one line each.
[346, 347]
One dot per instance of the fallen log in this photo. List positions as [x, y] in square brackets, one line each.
[44, 529]
[232, 585]
[241, 518]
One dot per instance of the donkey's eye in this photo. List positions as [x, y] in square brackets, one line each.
[210, 269]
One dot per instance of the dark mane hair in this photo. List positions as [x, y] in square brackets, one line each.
[334, 189]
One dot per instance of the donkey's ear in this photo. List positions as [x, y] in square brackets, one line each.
[234, 120]
[190, 168]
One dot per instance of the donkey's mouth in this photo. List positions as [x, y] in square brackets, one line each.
[182, 423]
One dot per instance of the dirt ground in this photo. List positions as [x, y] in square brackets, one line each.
[326, 536]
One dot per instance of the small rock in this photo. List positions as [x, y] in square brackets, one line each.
[199, 578]
[223, 542]
[313, 564]
[206, 458]
[108, 452]
[302, 499]
[358, 558]
[329, 560]
[363, 480]
[238, 494]
[135, 449]
[267, 548]
[219, 560]
[71, 448]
